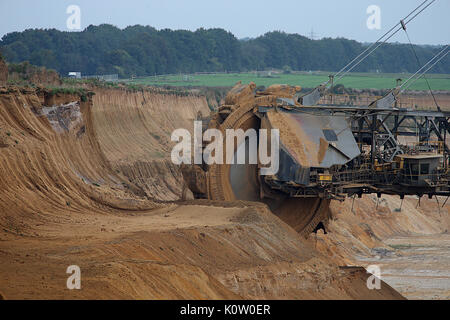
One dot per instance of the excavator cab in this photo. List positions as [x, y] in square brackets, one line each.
[420, 170]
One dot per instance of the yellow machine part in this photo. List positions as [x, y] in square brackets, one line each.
[325, 177]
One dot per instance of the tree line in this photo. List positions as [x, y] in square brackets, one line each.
[143, 50]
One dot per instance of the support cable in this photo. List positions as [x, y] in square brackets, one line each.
[342, 73]
[425, 68]
[419, 64]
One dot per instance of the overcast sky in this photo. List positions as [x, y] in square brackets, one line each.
[244, 18]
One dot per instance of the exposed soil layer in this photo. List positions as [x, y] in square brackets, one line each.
[82, 185]
[3, 72]
[407, 244]
[25, 73]
[87, 184]
[179, 252]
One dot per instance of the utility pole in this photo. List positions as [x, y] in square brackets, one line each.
[312, 34]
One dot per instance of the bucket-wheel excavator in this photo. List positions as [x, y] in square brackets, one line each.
[328, 151]
[230, 182]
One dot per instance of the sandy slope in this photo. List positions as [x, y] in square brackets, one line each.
[134, 130]
[179, 252]
[406, 244]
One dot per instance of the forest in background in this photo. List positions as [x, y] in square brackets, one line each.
[143, 50]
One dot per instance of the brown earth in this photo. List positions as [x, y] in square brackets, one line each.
[25, 73]
[383, 235]
[133, 132]
[410, 99]
[82, 183]
[357, 233]
[424, 100]
[3, 72]
[179, 252]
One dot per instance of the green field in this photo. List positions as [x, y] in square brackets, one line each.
[354, 80]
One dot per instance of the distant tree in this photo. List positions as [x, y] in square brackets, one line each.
[143, 50]
[287, 69]
[339, 89]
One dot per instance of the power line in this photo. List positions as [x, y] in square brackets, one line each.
[419, 64]
[419, 73]
[373, 44]
[377, 44]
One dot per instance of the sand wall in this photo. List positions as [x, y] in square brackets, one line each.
[134, 132]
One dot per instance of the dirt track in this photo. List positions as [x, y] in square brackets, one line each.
[85, 188]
